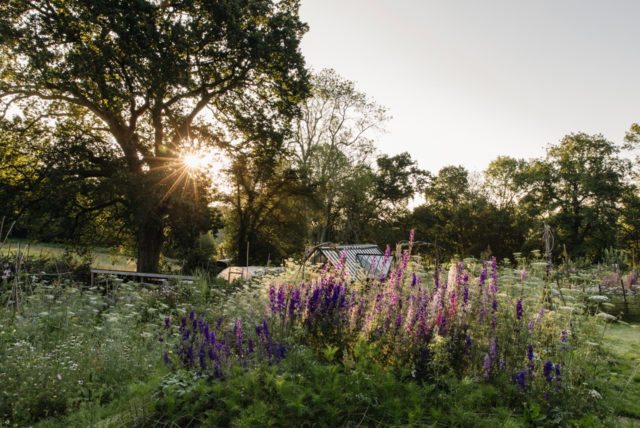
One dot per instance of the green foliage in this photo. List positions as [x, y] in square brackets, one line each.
[614, 258]
[463, 221]
[67, 347]
[119, 89]
[265, 200]
[350, 392]
[578, 185]
[331, 146]
[104, 345]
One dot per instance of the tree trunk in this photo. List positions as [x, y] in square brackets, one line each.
[150, 238]
[241, 244]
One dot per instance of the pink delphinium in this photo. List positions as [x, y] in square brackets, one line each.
[340, 262]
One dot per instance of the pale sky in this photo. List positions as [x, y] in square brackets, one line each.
[467, 81]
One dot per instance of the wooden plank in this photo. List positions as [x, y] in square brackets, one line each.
[139, 274]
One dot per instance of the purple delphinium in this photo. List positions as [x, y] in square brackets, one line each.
[530, 358]
[189, 357]
[465, 298]
[201, 356]
[547, 371]
[442, 329]
[492, 351]
[272, 298]
[238, 332]
[519, 309]
[520, 379]
[531, 326]
[558, 378]
[280, 305]
[563, 336]
[167, 323]
[487, 364]
[483, 275]
[294, 302]
[166, 358]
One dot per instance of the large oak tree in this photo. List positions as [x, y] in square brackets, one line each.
[141, 73]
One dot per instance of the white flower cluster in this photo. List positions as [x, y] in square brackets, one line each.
[606, 317]
[595, 394]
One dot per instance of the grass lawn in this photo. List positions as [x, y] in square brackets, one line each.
[624, 370]
[102, 257]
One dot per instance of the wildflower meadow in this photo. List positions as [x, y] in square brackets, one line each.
[467, 343]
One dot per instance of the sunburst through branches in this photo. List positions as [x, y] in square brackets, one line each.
[188, 167]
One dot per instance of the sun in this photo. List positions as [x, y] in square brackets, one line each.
[195, 161]
[191, 165]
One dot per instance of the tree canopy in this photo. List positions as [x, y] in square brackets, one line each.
[139, 76]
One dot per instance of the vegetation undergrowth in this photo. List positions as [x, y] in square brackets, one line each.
[475, 344]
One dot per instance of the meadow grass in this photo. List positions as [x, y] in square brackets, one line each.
[316, 367]
[102, 258]
[623, 340]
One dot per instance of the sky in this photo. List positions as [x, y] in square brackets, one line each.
[468, 81]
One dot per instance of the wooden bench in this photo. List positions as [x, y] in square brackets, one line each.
[128, 273]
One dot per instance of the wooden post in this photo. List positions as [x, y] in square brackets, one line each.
[435, 272]
[560, 290]
[624, 297]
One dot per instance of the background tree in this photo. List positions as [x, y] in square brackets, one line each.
[504, 182]
[331, 138]
[265, 197]
[629, 222]
[142, 72]
[465, 218]
[577, 188]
